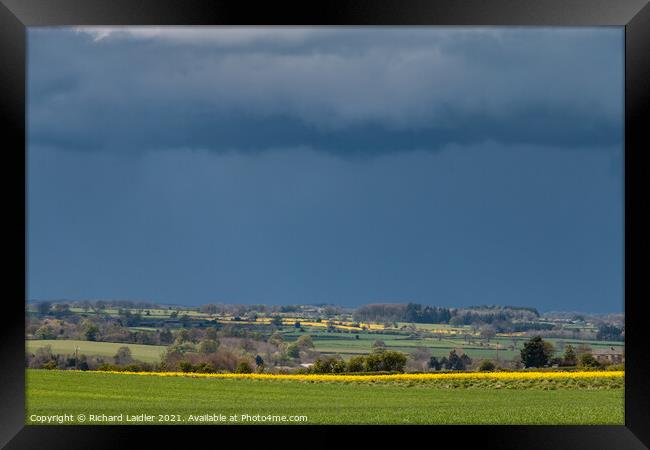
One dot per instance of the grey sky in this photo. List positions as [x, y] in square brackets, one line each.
[447, 166]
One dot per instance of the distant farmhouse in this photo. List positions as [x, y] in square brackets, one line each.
[609, 355]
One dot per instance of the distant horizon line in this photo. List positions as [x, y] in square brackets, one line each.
[323, 304]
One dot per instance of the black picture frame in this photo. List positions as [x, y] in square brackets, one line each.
[634, 15]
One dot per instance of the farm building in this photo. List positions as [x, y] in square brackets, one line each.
[609, 355]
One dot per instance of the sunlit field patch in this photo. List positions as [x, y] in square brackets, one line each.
[586, 400]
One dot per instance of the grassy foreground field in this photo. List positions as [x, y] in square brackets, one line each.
[55, 393]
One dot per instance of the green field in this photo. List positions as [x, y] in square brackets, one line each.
[74, 393]
[146, 353]
[347, 344]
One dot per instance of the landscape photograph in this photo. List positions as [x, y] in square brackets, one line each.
[325, 225]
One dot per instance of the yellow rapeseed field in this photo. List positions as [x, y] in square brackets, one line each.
[289, 321]
[394, 377]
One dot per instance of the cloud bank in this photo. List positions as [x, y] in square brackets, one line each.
[346, 90]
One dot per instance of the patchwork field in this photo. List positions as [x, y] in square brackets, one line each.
[590, 400]
[345, 345]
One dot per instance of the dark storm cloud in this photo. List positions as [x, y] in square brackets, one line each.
[348, 91]
[507, 214]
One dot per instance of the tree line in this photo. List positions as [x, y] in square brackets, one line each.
[418, 313]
